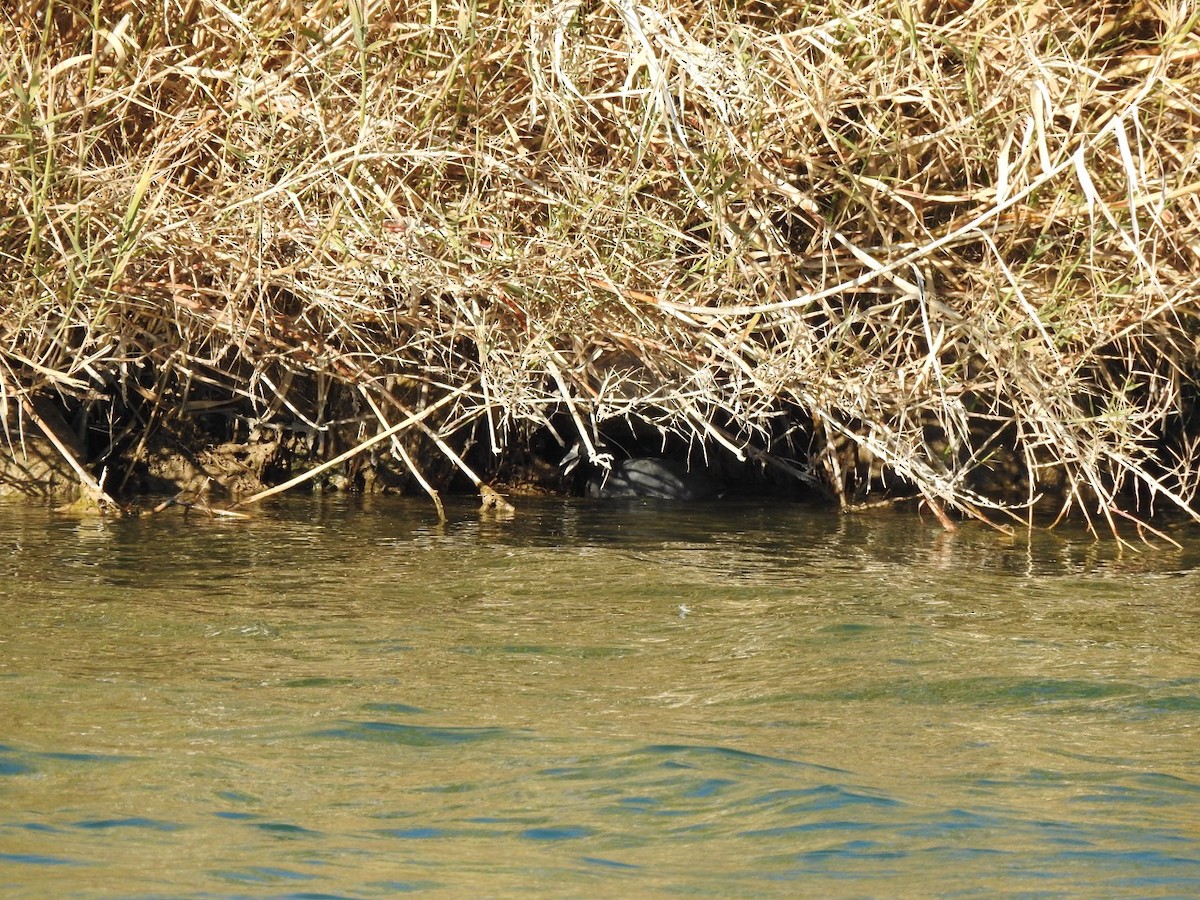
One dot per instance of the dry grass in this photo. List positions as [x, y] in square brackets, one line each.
[953, 242]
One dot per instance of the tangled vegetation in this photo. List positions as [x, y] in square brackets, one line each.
[946, 248]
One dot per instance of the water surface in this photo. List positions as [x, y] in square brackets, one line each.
[346, 699]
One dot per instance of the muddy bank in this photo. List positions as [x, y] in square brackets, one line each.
[222, 454]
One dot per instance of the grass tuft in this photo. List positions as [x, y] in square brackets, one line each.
[950, 245]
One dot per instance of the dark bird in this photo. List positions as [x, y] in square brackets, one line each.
[653, 477]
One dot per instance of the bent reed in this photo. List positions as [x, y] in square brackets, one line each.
[943, 249]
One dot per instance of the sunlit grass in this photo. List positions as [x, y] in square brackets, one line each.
[937, 237]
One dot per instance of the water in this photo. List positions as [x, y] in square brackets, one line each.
[342, 699]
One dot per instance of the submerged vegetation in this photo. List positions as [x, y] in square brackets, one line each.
[945, 249]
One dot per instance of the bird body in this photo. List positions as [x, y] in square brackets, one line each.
[663, 479]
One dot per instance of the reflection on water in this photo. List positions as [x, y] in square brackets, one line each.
[336, 699]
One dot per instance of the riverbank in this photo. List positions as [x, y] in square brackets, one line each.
[940, 251]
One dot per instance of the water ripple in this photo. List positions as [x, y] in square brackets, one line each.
[412, 735]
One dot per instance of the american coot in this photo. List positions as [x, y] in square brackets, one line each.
[663, 479]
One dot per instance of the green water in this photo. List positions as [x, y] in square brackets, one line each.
[338, 699]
